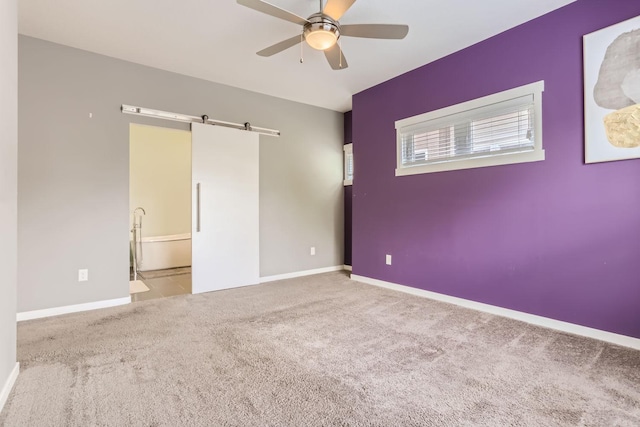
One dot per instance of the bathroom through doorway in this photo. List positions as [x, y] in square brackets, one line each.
[160, 212]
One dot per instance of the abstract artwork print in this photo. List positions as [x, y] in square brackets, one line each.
[612, 92]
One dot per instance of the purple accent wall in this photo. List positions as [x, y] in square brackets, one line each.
[556, 238]
[348, 127]
[348, 194]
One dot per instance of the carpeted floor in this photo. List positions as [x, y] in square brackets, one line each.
[321, 350]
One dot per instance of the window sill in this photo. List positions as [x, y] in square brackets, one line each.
[507, 159]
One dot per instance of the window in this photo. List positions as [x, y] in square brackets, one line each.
[498, 129]
[348, 164]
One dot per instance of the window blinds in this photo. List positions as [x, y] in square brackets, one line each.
[348, 164]
[500, 128]
[349, 171]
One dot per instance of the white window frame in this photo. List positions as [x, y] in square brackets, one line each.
[496, 159]
[348, 151]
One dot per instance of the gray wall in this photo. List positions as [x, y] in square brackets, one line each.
[8, 184]
[73, 170]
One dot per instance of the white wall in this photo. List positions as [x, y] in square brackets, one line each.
[160, 178]
[73, 193]
[8, 188]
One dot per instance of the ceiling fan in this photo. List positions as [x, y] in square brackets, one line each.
[322, 30]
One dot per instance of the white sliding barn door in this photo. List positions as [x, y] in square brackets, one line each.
[224, 237]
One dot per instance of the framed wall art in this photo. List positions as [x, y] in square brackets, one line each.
[612, 92]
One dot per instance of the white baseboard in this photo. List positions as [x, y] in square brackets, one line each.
[295, 274]
[533, 319]
[347, 267]
[8, 385]
[47, 312]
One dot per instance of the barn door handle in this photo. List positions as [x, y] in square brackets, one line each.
[197, 207]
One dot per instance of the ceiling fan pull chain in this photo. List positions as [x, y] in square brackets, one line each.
[340, 49]
[301, 48]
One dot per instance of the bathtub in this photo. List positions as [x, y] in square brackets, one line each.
[160, 252]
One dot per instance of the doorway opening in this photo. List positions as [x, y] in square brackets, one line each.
[160, 212]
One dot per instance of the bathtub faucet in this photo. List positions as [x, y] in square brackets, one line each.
[138, 224]
[136, 243]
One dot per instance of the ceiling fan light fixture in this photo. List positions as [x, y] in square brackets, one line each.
[321, 39]
[321, 32]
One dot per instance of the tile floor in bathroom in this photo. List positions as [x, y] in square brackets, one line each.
[164, 283]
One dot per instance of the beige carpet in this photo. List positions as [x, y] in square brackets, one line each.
[314, 351]
[137, 286]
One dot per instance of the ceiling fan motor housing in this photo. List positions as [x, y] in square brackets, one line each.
[321, 31]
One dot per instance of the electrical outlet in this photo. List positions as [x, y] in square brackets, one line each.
[313, 250]
[83, 275]
[388, 259]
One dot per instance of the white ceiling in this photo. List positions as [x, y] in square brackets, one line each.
[216, 40]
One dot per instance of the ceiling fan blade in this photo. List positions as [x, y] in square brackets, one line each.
[269, 9]
[336, 58]
[337, 8]
[279, 47]
[375, 31]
